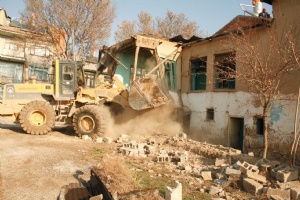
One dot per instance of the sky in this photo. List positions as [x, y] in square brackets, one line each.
[210, 15]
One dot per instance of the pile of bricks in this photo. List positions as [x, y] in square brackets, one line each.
[262, 178]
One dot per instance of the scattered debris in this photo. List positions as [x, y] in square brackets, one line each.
[179, 155]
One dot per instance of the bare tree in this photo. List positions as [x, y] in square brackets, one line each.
[77, 27]
[172, 25]
[264, 59]
[146, 24]
[176, 24]
[294, 54]
[125, 30]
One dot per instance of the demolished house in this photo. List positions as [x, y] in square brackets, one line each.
[223, 111]
[140, 63]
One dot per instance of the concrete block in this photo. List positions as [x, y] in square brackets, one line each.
[244, 167]
[232, 172]
[285, 194]
[276, 169]
[220, 161]
[252, 186]
[288, 185]
[223, 167]
[85, 137]
[188, 168]
[206, 175]
[276, 197]
[295, 193]
[215, 190]
[107, 140]
[99, 140]
[174, 193]
[237, 165]
[268, 165]
[287, 174]
[251, 154]
[257, 177]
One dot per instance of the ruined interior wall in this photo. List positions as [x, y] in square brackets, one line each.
[128, 60]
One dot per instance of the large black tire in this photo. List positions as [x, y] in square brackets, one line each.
[90, 120]
[37, 117]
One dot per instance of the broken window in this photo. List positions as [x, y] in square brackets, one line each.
[170, 75]
[11, 72]
[41, 73]
[198, 74]
[225, 71]
[210, 114]
[260, 125]
[89, 79]
[140, 72]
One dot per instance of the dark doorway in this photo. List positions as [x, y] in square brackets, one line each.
[236, 133]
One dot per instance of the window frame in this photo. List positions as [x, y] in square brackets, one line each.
[225, 79]
[210, 114]
[203, 71]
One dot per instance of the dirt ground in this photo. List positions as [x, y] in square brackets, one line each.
[36, 167]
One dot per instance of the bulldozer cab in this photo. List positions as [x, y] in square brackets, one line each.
[65, 79]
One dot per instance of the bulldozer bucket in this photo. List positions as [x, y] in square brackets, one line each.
[146, 93]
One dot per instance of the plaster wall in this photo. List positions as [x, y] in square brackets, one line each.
[240, 103]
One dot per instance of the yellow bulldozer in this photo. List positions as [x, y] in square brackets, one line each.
[66, 100]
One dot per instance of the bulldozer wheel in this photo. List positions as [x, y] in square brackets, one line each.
[89, 120]
[37, 117]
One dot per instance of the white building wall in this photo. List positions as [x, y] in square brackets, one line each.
[237, 105]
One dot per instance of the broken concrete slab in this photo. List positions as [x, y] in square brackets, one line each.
[285, 194]
[266, 165]
[252, 186]
[288, 185]
[257, 177]
[220, 161]
[206, 175]
[174, 193]
[295, 193]
[276, 197]
[215, 190]
[232, 172]
[99, 139]
[287, 174]
[86, 137]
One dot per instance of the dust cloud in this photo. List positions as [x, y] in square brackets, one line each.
[143, 124]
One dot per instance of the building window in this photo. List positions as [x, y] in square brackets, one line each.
[198, 73]
[260, 126]
[41, 73]
[210, 114]
[170, 75]
[140, 72]
[225, 71]
[11, 72]
[89, 79]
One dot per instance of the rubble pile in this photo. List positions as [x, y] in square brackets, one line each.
[182, 157]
